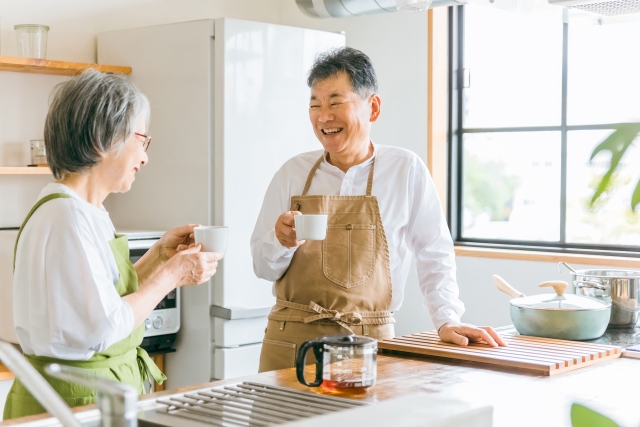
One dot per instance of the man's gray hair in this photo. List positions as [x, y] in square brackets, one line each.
[355, 64]
[90, 114]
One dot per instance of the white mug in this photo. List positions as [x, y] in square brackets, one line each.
[311, 227]
[214, 238]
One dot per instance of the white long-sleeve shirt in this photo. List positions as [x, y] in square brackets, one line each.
[411, 214]
[64, 295]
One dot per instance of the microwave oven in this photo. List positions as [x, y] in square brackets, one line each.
[163, 324]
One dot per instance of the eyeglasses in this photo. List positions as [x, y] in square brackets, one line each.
[147, 140]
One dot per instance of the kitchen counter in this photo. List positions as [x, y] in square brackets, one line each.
[518, 397]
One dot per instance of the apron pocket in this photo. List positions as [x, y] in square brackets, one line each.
[349, 253]
[277, 355]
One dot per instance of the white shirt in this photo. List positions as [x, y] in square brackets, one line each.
[411, 214]
[64, 296]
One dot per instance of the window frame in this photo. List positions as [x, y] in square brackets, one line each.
[456, 132]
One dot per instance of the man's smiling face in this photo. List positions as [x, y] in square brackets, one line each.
[340, 117]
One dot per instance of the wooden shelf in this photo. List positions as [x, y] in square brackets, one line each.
[23, 170]
[59, 68]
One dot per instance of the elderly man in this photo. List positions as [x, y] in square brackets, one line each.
[382, 206]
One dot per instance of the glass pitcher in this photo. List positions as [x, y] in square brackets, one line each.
[344, 364]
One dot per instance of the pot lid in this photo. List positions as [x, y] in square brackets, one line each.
[348, 340]
[560, 302]
[609, 274]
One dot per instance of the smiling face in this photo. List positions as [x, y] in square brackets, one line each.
[341, 119]
[118, 168]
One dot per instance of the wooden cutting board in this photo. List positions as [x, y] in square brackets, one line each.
[543, 355]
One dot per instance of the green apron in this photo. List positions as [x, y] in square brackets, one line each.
[124, 361]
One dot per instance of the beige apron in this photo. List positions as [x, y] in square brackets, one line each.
[335, 286]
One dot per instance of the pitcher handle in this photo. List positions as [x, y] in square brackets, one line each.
[318, 349]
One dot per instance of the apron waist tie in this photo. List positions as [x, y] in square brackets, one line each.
[145, 364]
[343, 319]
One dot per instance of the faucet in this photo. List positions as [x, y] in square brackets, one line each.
[117, 402]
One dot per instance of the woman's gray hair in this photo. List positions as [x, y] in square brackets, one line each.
[91, 114]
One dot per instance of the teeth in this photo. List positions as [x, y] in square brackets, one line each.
[332, 130]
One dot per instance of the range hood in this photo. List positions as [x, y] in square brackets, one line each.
[350, 8]
[601, 7]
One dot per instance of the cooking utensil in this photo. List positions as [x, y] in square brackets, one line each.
[343, 363]
[568, 317]
[621, 287]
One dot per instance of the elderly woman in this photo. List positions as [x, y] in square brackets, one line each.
[78, 300]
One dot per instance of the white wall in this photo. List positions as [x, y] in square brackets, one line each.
[74, 23]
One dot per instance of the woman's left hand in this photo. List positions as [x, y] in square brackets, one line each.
[176, 240]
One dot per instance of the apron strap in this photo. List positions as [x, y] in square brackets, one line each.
[148, 367]
[370, 179]
[317, 165]
[310, 177]
[39, 203]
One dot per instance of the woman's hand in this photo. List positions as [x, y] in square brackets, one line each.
[175, 240]
[171, 242]
[189, 266]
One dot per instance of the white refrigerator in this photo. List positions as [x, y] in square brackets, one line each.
[229, 105]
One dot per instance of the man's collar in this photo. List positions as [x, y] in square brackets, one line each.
[365, 163]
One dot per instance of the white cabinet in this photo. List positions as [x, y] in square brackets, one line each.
[236, 361]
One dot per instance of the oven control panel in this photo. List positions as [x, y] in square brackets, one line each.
[161, 322]
[165, 318]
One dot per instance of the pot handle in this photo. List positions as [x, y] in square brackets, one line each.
[506, 288]
[589, 284]
[318, 348]
[559, 286]
[568, 266]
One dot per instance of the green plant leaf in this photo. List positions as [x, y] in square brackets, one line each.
[635, 198]
[617, 144]
[581, 416]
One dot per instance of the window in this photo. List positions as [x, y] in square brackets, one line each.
[531, 97]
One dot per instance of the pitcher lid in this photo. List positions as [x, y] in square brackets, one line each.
[349, 340]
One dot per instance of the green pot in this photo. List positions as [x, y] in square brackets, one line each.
[574, 325]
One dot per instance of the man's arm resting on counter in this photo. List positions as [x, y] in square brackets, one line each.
[429, 238]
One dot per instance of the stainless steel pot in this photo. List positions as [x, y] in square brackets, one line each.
[621, 287]
[568, 317]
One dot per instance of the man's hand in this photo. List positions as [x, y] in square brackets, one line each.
[462, 333]
[286, 230]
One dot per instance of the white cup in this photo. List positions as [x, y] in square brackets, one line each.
[311, 227]
[214, 238]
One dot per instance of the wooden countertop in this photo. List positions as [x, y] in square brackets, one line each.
[519, 398]
[5, 373]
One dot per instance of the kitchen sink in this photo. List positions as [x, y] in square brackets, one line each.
[247, 404]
